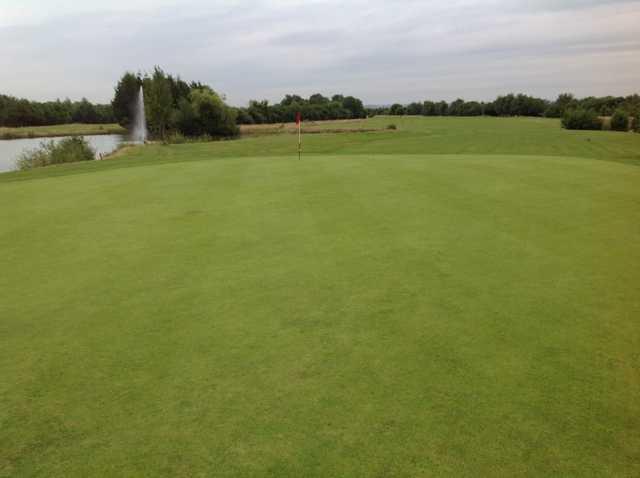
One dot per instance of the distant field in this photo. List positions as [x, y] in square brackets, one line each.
[60, 130]
[337, 126]
[455, 298]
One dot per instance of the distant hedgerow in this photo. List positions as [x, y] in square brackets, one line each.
[581, 119]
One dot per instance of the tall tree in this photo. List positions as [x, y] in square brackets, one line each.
[85, 112]
[415, 109]
[355, 106]
[126, 94]
[318, 99]
[397, 110]
[213, 117]
[158, 102]
[457, 107]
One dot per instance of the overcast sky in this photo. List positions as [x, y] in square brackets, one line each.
[382, 51]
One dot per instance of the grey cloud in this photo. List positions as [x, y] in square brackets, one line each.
[555, 5]
[311, 37]
[381, 51]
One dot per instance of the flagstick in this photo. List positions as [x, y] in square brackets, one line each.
[299, 139]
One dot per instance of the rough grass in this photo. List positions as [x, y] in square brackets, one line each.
[218, 309]
[309, 127]
[60, 130]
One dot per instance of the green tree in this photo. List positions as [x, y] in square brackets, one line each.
[126, 94]
[318, 99]
[397, 110]
[259, 111]
[472, 108]
[581, 119]
[291, 99]
[179, 89]
[158, 102]
[355, 106]
[85, 112]
[184, 118]
[243, 116]
[414, 109]
[457, 107]
[620, 121]
[212, 116]
[564, 102]
[441, 108]
[429, 108]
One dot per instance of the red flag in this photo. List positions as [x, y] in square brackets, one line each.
[298, 118]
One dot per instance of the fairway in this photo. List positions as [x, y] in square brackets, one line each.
[455, 298]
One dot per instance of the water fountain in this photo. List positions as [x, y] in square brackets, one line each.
[139, 130]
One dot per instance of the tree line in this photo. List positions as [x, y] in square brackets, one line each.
[195, 109]
[315, 108]
[16, 112]
[173, 106]
[516, 105]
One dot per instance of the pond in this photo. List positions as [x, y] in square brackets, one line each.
[10, 149]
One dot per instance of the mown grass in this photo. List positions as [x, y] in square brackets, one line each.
[60, 130]
[232, 311]
[415, 135]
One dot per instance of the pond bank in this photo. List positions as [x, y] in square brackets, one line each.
[73, 129]
[10, 150]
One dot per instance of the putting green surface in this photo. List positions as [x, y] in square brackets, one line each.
[345, 315]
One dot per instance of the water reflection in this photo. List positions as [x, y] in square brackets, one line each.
[10, 149]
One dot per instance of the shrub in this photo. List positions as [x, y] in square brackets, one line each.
[34, 158]
[69, 150]
[392, 126]
[72, 150]
[636, 123]
[620, 121]
[581, 119]
[175, 137]
[209, 115]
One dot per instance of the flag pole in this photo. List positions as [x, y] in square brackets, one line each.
[299, 121]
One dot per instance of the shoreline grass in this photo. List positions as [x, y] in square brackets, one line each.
[75, 129]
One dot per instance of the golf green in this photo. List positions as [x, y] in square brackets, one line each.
[227, 310]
